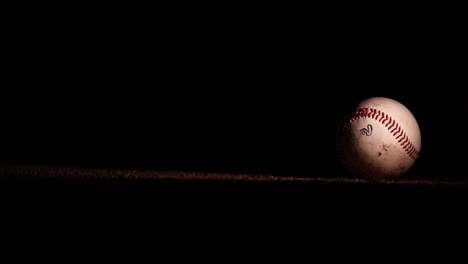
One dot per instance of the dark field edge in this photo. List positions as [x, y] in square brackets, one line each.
[133, 216]
[22, 172]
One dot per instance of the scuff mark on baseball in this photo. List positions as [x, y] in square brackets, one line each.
[380, 139]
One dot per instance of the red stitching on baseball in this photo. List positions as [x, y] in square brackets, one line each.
[391, 125]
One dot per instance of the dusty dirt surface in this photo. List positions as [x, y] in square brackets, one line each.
[57, 213]
[64, 173]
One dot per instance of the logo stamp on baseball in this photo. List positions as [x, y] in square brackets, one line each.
[379, 139]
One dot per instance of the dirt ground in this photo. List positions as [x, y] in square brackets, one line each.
[98, 215]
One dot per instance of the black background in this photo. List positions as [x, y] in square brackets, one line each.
[256, 90]
[230, 89]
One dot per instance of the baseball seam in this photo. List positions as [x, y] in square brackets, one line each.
[392, 126]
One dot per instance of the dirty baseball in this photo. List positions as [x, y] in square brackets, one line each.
[380, 139]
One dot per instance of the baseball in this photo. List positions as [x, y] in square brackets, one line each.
[379, 139]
